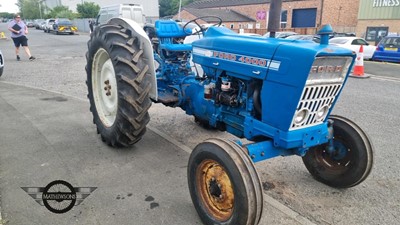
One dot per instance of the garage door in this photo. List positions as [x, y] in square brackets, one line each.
[304, 17]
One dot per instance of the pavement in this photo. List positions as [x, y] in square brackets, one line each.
[47, 136]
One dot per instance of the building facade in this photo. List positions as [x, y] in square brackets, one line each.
[150, 7]
[378, 18]
[230, 18]
[302, 16]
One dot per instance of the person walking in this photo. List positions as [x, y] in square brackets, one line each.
[91, 23]
[18, 33]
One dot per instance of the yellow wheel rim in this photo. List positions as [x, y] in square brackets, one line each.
[215, 189]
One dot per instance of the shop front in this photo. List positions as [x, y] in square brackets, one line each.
[377, 19]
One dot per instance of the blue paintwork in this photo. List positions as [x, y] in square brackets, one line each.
[325, 32]
[166, 30]
[276, 69]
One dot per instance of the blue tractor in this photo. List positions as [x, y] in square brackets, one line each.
[276, 93]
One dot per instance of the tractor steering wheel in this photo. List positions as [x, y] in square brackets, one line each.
[202, 30]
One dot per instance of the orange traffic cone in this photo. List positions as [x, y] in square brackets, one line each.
[359, 65]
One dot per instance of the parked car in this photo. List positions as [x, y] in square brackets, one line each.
[303, 37]
[281, 34]
[42, 25]
[388, 49]
[354, 43]
[30, 24]
[129, 11]
[37, 23]
[62, 26]
[1, 64]
[48, 25]
[250, 34]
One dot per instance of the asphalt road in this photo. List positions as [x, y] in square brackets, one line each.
[49, 135]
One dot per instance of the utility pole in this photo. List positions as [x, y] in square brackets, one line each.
[40, 8]
[274, 17]
[179, 12]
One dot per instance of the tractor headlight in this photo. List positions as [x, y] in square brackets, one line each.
[301, 116]
[329, 70]
[322, 112]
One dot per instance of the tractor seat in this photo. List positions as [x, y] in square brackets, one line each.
[166, 30]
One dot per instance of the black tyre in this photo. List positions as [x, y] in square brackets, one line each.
[352, 158]
[1, 71]
[224, 184]
[118, 84]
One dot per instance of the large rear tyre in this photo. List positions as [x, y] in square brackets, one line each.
[224, 184]
[352, 159]
[118, 84]
[1, 71]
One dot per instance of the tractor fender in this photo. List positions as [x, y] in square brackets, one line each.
[137, 31]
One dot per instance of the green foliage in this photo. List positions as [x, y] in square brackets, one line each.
[29, 9]
[171, 7]
[61, 12]
[88, 10]
[66, 14]
[6, 15]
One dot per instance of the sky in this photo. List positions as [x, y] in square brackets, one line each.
[8, 6]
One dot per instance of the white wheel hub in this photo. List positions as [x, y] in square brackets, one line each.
[104, 86]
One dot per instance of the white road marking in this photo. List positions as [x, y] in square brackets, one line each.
[394, 79]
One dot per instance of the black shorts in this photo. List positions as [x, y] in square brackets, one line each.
[18, 41]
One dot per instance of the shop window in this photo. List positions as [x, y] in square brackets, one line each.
[283, 18]
[376, 33]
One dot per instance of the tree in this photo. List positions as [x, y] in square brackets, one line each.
[6, 15]
[61, 12]
[29, 8]
[171, 7]
[88, 10]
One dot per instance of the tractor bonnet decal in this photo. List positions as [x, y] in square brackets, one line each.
[243, 59]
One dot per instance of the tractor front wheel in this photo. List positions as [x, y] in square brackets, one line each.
[224, 184]
[118, 84]
[349, 163]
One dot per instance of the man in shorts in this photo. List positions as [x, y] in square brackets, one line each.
[18, 34]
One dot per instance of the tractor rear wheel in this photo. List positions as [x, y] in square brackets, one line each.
[351, 161]
[118, 84]
[224, 184]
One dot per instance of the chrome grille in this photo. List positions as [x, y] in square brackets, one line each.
[314, 98]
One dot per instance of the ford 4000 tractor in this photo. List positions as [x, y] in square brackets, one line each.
[278, 94]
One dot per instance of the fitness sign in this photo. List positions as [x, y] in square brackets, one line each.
[59, 196]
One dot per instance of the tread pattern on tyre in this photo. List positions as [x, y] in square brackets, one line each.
[246, 215]
[133, 83]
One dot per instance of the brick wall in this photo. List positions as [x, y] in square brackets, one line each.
[186, 16]
[346, 20]
[341, 14]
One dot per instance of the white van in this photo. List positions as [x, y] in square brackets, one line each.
[128, 11]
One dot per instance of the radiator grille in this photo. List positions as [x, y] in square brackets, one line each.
[313, 99]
